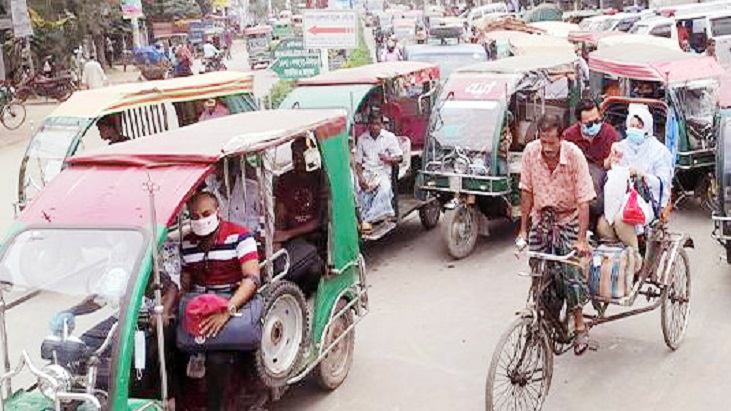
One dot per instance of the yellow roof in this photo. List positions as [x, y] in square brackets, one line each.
[107, 100]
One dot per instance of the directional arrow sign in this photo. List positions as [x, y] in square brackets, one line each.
[330, 29]
[297, 67]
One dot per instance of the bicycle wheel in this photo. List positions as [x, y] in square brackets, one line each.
[520, 370]
[676, 302]
[13, 115]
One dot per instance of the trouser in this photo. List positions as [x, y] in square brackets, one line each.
[620, 230]
[305, 264]
[596, 206]
[219, 367]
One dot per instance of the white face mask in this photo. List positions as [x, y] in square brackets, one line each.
[204, 226]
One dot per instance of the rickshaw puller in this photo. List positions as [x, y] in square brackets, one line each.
[218, 256]
[377, 152]
[556, 189]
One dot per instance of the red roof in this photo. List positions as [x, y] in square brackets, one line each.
[636, 61]
[375, 74]
[112, 196]
[592, 37]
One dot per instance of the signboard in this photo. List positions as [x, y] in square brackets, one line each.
[290, 47]
[296, 67]
[20, 18]
[477, 88]
[330, 29]
[132, 9]
[340, 4]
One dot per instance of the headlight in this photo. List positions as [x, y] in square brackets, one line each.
[461, 166]
[60, 375]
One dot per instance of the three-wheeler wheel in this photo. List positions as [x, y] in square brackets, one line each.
[461, 228]
[285, 333]
[521, 368]
[334, 368]
[676, 302]
[429, 214]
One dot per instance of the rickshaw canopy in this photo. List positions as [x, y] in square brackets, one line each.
[115, 99]
[106, 187]
[555, 28]
[348, 96]
[375, 74]
[643, 39]
[540, 44]
[480, 86]
[592, 37]
[551, 63]
[639, 62]
[725, 95]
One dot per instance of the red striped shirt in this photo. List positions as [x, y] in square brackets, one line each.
[221, 265]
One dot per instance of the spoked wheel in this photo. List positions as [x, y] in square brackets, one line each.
[520, 370]
[429, 214]
[13, 115]
[460, 230]
[707, 190]
[285, 333]
[676, 302]
[333, 369]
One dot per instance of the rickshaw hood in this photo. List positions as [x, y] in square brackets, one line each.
[100, 195]
[640, 62]
[376, 73]
[725, 97]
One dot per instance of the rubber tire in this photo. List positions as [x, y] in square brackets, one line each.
[665, 315]
[459, 251]
[271, 295]
[495, 360]
[323, 376]
[20, 112]
[429, 214]
[23, 93]
[710, 200]
[65, 94]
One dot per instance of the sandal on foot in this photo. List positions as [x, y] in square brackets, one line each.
[581, 341]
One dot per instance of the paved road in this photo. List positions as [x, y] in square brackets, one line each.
[434, 324]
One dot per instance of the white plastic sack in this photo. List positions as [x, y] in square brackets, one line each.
[615, 190]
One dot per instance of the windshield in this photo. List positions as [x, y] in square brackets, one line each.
[640, 29]
[721, 26]
[46, 154]
[449, 62]
[80, 271]
[469, 125]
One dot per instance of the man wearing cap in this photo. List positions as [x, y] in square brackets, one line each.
[648, 160]
[376, 153]
[213, 109]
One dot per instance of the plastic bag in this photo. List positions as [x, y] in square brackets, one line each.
[632, 212]
[615, 190]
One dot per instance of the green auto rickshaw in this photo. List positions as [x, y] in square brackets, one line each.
[121, 211]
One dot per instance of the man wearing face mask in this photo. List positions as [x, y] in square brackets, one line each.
[595, 138]
[556, 189]
[648, 160]
[218, 257]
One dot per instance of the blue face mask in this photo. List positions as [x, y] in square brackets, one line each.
[592, 130]
[635, 136]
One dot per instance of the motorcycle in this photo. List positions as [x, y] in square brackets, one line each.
[213, 64]
[58, 88]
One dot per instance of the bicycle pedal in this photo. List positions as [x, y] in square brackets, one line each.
[593, 345]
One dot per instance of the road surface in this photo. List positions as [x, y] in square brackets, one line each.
[434, 323]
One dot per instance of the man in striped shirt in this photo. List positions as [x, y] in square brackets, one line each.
[220, 257]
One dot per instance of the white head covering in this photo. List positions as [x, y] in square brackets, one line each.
[643, 113]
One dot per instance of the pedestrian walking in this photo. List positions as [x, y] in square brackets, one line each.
[93, 76]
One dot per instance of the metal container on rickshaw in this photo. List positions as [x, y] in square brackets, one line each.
[722, 215]
[681, 90]
[145, 109]
[482, 119]
[258, 46]
[404, 91]
[119, 209]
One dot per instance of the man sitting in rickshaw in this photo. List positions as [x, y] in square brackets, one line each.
[556, 189]
[650, 165]
[595, 139]
[219, 257]
[299, 211]
[110, 129]
[377, 152]
[213, 108]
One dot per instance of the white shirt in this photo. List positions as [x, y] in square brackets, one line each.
[655, 161]
[93, 76]
[394, 55]
[368, 150]
[209, 51]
